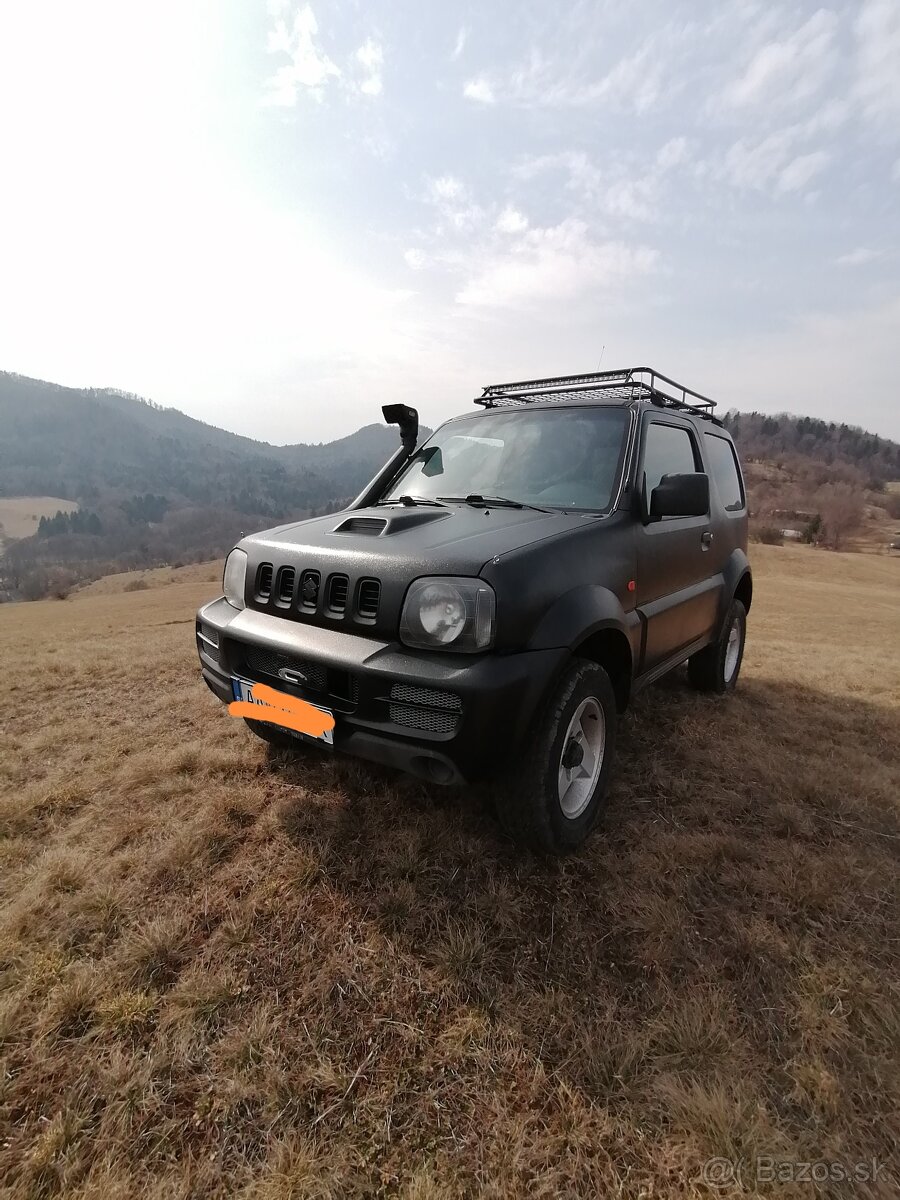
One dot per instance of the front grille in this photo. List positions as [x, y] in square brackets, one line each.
[305, 593]
[338, 587]
[423, 718]
[261, 661]
[367, 597]
[264, 575]
[428, 696]
[285, 591]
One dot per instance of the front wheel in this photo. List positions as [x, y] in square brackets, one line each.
[554, 797]
[716, 667]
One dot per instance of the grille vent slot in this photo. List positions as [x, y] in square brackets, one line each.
[286, 577]
[308, 595]
[264, 575]
[367, 598]
[338, 588]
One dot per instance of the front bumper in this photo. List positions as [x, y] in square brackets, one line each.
[448, 718]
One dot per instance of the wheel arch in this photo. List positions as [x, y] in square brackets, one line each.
[610, 649]
[744, 590]
[592, 624]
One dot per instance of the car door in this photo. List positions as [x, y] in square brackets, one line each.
[678, 585]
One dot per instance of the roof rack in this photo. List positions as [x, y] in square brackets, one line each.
[635, 383]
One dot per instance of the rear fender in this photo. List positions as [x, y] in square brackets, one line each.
[738, 581]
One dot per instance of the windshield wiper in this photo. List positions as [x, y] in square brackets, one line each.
[478, 501]
[411, 501]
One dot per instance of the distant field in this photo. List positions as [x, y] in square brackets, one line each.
[209, 573]
[224, 972]
[19, 515]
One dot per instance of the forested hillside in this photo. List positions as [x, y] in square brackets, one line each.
[154, 485]
[768, 438]
[824, 482]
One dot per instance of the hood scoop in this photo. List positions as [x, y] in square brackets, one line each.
[408, 518]
[366, 525]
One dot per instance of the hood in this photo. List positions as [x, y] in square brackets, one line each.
[456, 540]
[353, 567]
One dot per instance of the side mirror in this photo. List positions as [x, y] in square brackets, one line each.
[680, 496]
[408, 420]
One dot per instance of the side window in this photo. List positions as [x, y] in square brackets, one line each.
[668, 450]
[724, 470]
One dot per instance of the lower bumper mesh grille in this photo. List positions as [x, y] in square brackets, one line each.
[423, 718]
[269, 662]
[424, 708]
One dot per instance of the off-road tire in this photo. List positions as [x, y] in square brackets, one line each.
[278, 738]
[707, 669]
[527, 800]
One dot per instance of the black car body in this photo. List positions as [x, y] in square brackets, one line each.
[637, 585]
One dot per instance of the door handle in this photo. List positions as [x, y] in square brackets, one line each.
[706, 538]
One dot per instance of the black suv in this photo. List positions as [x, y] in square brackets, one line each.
[493, 599]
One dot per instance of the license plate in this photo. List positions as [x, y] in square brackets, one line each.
[243, 690]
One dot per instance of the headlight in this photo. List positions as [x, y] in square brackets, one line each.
[234, 578]
[448, 613]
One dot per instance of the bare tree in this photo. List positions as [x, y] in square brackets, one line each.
[841, 507]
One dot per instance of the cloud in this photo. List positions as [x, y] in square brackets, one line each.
[629, 187]
[800, 170]
[771, 164]
[858, 257]
[371, 58]
[556, 263]
[877, 30]
[788, 69]
[511, 221]
[635, 82]
[415, 259]
[480, 90]
[672, 154]
[461, 38]
[309, 67]
[445, 187]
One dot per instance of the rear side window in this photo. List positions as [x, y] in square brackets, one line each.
[669, 450]
[724, 469]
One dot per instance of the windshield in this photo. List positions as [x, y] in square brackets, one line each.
[551, 458]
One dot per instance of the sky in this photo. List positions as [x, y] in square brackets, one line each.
[279, 216]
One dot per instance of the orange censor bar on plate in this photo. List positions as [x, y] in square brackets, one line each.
[287, 711]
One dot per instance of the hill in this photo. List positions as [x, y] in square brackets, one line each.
[225, 972]
[154, 484]
[822, 481]
[86, 443]
[763, 437]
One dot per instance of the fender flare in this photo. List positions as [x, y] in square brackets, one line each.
[579, 613]
[736, 571]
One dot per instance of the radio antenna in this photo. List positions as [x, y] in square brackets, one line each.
[602, 348]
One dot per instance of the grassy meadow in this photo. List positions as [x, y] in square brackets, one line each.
[227, 972]
[20, 515]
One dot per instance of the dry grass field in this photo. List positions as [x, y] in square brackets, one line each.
[19, 515]
[224, 972]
